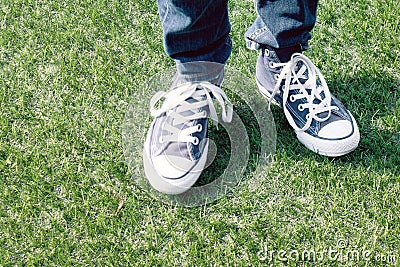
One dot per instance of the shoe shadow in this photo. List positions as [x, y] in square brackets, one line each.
[376, 105]
[223, 146]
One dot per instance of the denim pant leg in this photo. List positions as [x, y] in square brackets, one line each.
[282, 23]
[196, 31]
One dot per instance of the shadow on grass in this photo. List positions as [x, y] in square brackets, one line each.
[240, 147]
[223, 144]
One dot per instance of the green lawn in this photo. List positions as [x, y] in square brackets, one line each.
[68, 71]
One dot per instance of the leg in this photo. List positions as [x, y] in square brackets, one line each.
[195, 31]
[196, 36]
[290, 80]
[282, 24]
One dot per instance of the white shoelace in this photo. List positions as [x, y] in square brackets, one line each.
[292, 75]
[175, 105]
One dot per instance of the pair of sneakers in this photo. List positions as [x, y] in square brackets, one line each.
[176, 147]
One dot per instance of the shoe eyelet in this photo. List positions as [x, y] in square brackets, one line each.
[300, 107]
[199, 127]
[276, 76]
[271, 65]
[292, 99]
[195, 141]
[204, 113]
[266, 52]
[160, 140]
[308, 116]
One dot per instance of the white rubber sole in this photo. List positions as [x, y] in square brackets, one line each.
[325, 147]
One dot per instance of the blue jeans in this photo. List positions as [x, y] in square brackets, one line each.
[198, 30]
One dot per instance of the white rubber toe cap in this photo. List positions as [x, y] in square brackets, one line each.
[336, 130]
[335, 139]
[172, 166]
[171, 174]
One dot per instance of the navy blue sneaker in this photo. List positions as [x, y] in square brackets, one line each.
[175, 151]
[322, 123]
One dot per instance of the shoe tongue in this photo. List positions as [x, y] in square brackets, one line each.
[184, 149]
[180, 149]
[333, 116]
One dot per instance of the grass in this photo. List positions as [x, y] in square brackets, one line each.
[67, 74]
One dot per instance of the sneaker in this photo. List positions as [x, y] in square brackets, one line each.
[321, 122]
[175, 151]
